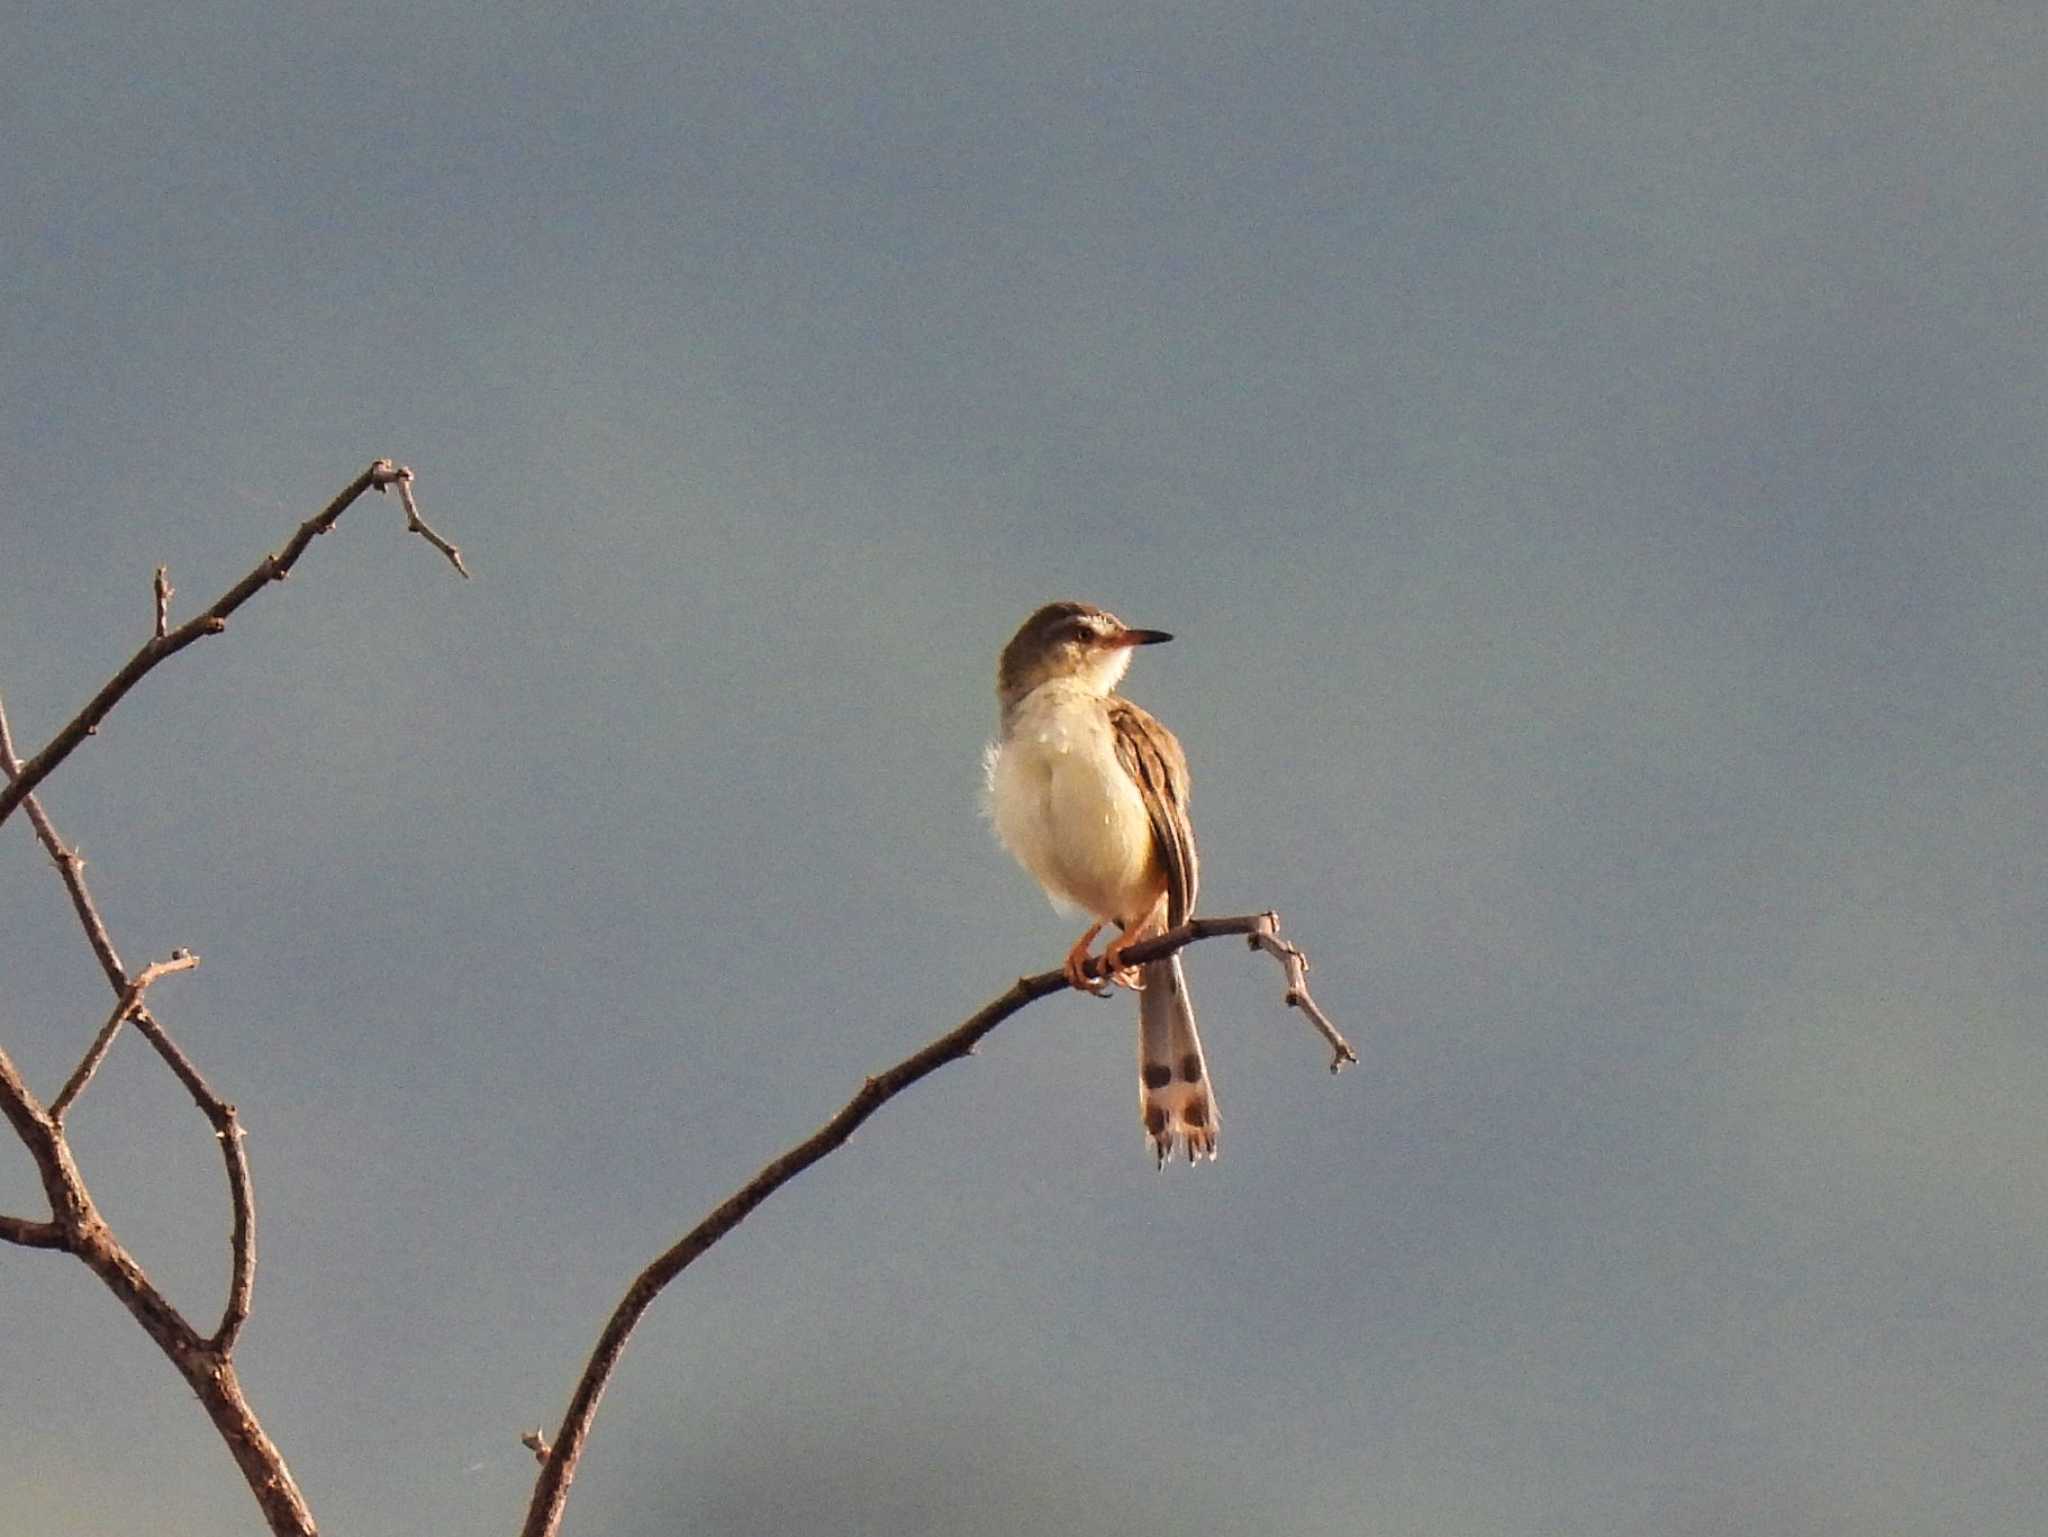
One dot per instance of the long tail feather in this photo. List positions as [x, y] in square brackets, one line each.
[1174, 1094]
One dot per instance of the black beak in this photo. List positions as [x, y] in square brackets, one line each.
[1142, 637]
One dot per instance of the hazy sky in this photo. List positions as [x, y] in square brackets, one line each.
[1591, 456]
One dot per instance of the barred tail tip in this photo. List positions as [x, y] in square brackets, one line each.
[1175, 1100]
[1179, 1123]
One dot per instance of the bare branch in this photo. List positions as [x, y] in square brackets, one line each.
[39, 1134]
[1263, 932]
[241, 1239]
[31, 1235]
[70, 865]
[75, 1224]
[558, 1463]
[241, 1197]
[272, 568]
[130, 1004]
[1295, 964]
[77, 1227]
[415, 524]
[227, 1128]
[44, 1140]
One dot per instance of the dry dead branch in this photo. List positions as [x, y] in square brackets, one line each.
[75, 1225]
[558, 1463]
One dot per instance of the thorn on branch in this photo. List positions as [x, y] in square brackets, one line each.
[164, 589]
[536, 1442]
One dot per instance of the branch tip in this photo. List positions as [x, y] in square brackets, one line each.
[415, 524]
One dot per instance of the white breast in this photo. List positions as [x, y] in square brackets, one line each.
[1065, 807]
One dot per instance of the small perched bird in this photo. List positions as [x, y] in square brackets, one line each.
[1091, 794]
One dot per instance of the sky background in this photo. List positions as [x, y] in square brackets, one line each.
[1591, 456]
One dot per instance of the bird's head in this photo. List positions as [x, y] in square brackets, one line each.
[1069, 640]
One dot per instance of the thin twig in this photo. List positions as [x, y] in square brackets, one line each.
[130, 1004]
[1296, 966]
[75, 1224]
[70, 865]
[272, 568]
[1262, 930]
[415, 524]
[241, 1239]
[558, 1465]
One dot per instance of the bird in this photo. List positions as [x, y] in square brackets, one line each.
[1090, 793]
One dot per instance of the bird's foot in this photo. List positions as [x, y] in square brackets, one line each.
[1116, 970]
[1078, 963]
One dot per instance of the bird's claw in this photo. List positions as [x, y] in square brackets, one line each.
[1114, 969]
[1091, 984]
[1078, 963]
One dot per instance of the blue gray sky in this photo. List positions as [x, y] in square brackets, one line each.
[1591, 457]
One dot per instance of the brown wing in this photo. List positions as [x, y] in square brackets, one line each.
[1153, 759]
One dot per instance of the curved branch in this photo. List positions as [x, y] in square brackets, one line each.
[227, 1128]
[75, 1224]
[77, 1227]
[558, 1462]
[160, 646]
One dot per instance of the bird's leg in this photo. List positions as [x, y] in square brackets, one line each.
[1078, 960]
[1113, 965]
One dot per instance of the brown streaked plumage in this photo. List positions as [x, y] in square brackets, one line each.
[1091, 794]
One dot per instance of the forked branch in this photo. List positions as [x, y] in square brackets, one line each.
[558, 1461]
[163, 644]
[75, 1225]
[128, 1007]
